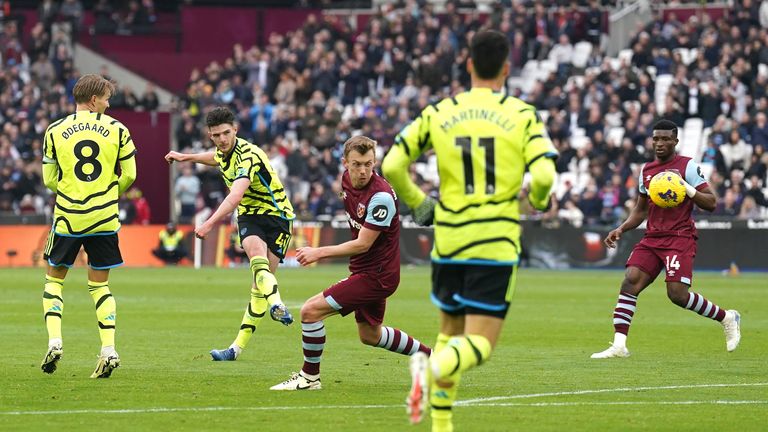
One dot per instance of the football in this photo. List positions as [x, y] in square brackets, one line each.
[667, 189]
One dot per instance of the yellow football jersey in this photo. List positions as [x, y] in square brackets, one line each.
[266, 194]
[484, 142]
[87, 147]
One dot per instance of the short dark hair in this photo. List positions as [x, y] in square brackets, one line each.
[665, 124]
[489, 50]
[219, 115]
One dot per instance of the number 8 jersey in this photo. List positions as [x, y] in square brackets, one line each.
[87, 147]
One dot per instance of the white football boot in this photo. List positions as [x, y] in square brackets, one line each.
[732, 328]
[298, 381]
[611, 352]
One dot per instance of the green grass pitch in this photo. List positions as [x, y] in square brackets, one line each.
[540, 377]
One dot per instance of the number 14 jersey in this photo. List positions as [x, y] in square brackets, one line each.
[87, 147]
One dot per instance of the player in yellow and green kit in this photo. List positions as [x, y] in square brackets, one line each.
[264, 216]
[81, 154]
[485, 141]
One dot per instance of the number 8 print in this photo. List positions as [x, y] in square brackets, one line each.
[83, 160]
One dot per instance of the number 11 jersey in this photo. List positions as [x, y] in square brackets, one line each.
[484, 141]
[87, 147]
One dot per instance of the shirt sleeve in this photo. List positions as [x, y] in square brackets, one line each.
[537, 143]
[49, 152]
[246, 166]
[640, 184]
[381, 211]
[127, 148]
[694, 176]
[410, 143]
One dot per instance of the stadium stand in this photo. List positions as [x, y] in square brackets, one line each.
[300, 93]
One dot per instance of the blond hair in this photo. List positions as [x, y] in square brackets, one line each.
[92, 85]
[361, 144]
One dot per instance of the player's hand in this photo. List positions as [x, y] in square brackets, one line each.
[174, 156]
[690, 191]
[307, 255]
[542, 207]
[424, 213]
[202, 230]
[612, 238]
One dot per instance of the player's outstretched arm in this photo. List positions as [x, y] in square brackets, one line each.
[636, 216]
[361, 244]
[206, 158]
[227, 206]
[704, 197]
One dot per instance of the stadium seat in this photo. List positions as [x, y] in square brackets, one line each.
[578, 142]
[625, 56]
[690, 142]
[581, 53]
[663, 82]
[684, 55]
[575, 82]
[615, 134]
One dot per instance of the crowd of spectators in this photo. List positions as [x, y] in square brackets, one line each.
[304, 93]
[36, 81]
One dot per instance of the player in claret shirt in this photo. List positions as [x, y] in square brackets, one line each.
[374, 264]
[669, 244]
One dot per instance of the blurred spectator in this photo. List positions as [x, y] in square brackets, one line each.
[235, 251]
[141, 206]
[186, 190]
[171, 247]
[302, 93]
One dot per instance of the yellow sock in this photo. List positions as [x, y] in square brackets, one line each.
[253, 315]
[441, 342]
[442, 396]
[462, 353]
[106, 311]
[265, 280]
[53, 306]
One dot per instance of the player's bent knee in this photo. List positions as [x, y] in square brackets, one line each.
[369, 339]
[678, 296]
[308, 312]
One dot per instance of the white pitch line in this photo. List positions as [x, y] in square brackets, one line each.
[567, 404]
[609, 390]
[469, 403]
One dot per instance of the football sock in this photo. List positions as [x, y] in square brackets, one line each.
[622, 317]
[398, 341]
[442, 395]
[704, 307]
[265, 280]
[462, 353]
[254, 312]
[53, 306]
[441, 342]
[312, 343]
[105, 311]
